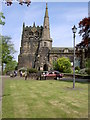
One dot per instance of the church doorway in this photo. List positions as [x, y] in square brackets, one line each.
[45, 67]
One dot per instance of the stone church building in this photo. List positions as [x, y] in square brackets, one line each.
[36, 49]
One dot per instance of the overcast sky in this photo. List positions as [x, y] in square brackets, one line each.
[62, 17]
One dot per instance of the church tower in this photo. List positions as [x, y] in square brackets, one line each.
[46, 41]
[35, 45]
[42, 59]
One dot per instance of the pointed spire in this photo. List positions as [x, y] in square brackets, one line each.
[23, 24]
[46, 13]
[46, 29]
[34, 24]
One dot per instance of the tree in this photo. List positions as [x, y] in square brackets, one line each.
[10, 66]
[2, 17]
[7, 51]
[63, 65]
[84, 26]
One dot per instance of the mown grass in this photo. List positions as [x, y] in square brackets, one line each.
[44, 99]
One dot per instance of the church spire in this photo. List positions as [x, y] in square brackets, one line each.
[46, 30]
[34, 24]
[45, 39]
[46, 13]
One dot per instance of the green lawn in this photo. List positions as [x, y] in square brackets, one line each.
[44, 99]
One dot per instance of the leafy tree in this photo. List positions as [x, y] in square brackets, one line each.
[7, 50]
[63, 65]
[88, 66]
[2, 17]
[10, 66]
[84, 25]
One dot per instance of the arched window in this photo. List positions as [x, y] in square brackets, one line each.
[45, 44]
[45, 67]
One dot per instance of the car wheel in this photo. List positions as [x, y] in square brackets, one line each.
[57, 78]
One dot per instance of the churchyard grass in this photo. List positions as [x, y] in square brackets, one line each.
[44, 99]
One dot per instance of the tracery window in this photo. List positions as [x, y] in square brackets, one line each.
[45, 44]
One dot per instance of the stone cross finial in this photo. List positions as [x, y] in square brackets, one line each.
[34, 24]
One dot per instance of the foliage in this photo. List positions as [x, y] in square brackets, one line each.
[23, 69]
[32, 70]
[7, 50]
[2, 17]
[55, 65]
[10, 66]
[63, 65]
[84, 26]
[77, 68]
[88, 66]
[83, 71]
[76, 71]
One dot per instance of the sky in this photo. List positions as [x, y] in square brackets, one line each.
[62, 17]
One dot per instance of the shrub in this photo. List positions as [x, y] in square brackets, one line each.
[77, 68]
[32, 70]
[10, 66]
[23, 69]
[83, 71]
[69, 70]
[76, 71]
[63, 65]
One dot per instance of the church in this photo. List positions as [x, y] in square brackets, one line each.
[36, 49]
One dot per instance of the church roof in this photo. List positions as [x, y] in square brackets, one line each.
[61, 50]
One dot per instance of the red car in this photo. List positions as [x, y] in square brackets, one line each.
[53, 74]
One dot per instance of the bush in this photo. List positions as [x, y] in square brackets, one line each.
[69, 70]
[77, 68]
[32, 70]
[88, 71]
[76, 71]
[23, 69]
[88, 66]
[63, 65]
[83, 71]
[10, 66]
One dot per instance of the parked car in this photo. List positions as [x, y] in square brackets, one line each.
[44, 73]
[53, 75]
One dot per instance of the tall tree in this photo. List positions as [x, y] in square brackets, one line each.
[7, 50]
